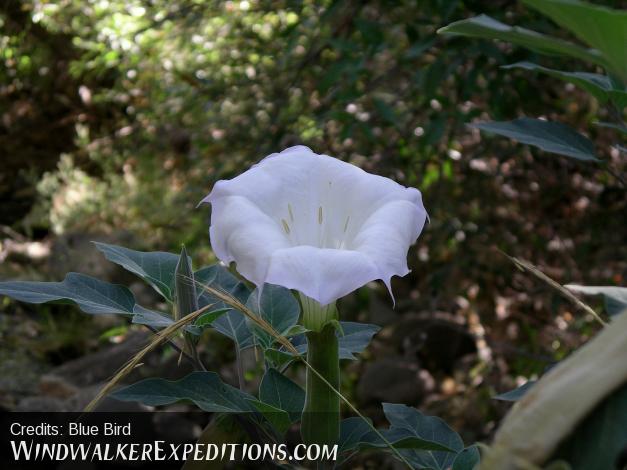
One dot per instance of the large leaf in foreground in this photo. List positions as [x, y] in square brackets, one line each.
[603, 28]
[601, 437]
[485, 27]
[600, 86]
[155, 267]
[205, 389]
[551, 137]
[90, 294]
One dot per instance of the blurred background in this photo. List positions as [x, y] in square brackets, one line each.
[117, 116]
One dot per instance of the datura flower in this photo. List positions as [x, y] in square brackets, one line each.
[315, 224]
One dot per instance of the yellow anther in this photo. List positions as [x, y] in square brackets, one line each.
[285, 226]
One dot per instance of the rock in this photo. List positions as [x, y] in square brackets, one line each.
[38, 403]
[99, 366]
[75, 252]
[19, 375]
[391, 379]
[56, 387]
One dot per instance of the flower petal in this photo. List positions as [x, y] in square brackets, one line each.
[242, 233]
[314, 223]
[385, 237]
[321, 273]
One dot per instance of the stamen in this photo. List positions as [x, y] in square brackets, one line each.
[289, 209]
[285, 226]
[320, 215]
[346, 223]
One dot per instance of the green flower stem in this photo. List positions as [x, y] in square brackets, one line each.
[315, 316]
[321, 415]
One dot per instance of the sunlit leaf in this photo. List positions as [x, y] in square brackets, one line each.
[485, 27]
[603, 28]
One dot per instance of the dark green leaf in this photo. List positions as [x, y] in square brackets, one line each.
[355, 433]
[467, 459]
[219, 277]
[485, 27]
[352, 432]
[186, 296]
[551, 137]
[159, 320]
[277, 358]
[610, 125]
[615, 297]
[296, 330]
[91, 295]
[207, 319]
[600, 438]
[156, 267]
[603, 28]
[204, 389]
[233, 325]
[278, 306]
[144, 316]
[411, 422]
[599, 86]
[280, 392]
[279, 419]
[517, 393]
[356, 338]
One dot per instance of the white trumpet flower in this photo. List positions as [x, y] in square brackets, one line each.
[315, 224]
